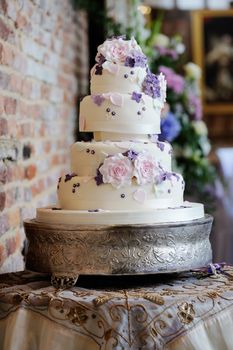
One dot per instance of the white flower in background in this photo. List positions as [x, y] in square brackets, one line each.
[192, 70]
[206, 147]
[180, 48]
[161, 40]
[200, 127]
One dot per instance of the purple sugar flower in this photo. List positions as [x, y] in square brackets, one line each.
[129, 62]
[160, 145]
[136, 96]
[132, 155]
[170, 128]
[98, 69]
[99, 177]
[98, 99]
[151, 85]
[136, 60]
[100, 59]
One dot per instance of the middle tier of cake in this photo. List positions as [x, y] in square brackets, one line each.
[125, 175]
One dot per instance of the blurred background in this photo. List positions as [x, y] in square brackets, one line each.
[47, 49]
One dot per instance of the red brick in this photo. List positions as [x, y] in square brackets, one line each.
[10, 105]
[3, 6]
[4, 224]
[27, 87]
[16, 83]
[7, 56]
[14, 218]
[10, 245]
[21, 21]
[3, 127]
[2, 200]
[30, 172]
[4, 80]
[5, 31]
[3, 172]
[2, 253]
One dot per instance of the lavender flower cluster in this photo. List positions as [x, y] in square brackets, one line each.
[151, 85]
[136, 60]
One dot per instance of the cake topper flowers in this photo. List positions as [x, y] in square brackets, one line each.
[120, 51]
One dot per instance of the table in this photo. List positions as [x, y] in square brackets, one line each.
[178, 311]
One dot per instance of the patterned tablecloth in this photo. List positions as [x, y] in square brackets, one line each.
[136, 312]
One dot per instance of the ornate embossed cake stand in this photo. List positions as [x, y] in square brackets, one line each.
[67, 251]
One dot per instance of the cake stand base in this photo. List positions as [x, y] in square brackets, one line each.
[67, 251]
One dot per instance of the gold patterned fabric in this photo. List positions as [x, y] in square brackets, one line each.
[177, 312]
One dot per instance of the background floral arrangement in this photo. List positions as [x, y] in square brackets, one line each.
[182, 122]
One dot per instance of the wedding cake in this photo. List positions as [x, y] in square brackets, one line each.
[120, 209]
[124, 175]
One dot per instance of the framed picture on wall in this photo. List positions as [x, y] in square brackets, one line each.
[212, 36]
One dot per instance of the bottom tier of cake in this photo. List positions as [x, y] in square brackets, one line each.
[54, 215]
[68, 250]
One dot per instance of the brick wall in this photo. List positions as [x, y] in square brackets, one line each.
[43, 49]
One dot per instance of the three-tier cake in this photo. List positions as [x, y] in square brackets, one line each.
[121, 192]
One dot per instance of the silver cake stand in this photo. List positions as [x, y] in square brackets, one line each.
[67, 251]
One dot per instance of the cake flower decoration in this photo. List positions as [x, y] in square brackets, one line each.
[117, 170]
[120, 51]
[136, 96]
[151, 85]
[145, 168]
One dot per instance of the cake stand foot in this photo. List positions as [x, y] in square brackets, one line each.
[63, 280]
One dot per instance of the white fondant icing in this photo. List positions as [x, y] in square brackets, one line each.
[109, 117]
[189, 212]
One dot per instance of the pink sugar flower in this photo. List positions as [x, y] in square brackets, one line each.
[117, 170]
[145, 168]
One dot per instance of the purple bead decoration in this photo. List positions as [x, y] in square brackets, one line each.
[113, 113]
[125, 76]
[108, 110]
[92, 152]
[68, 177]
[122, 195]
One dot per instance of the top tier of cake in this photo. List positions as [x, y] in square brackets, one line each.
[126, 98]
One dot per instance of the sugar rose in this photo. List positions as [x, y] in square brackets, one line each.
[145, 168]
[117, 170]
